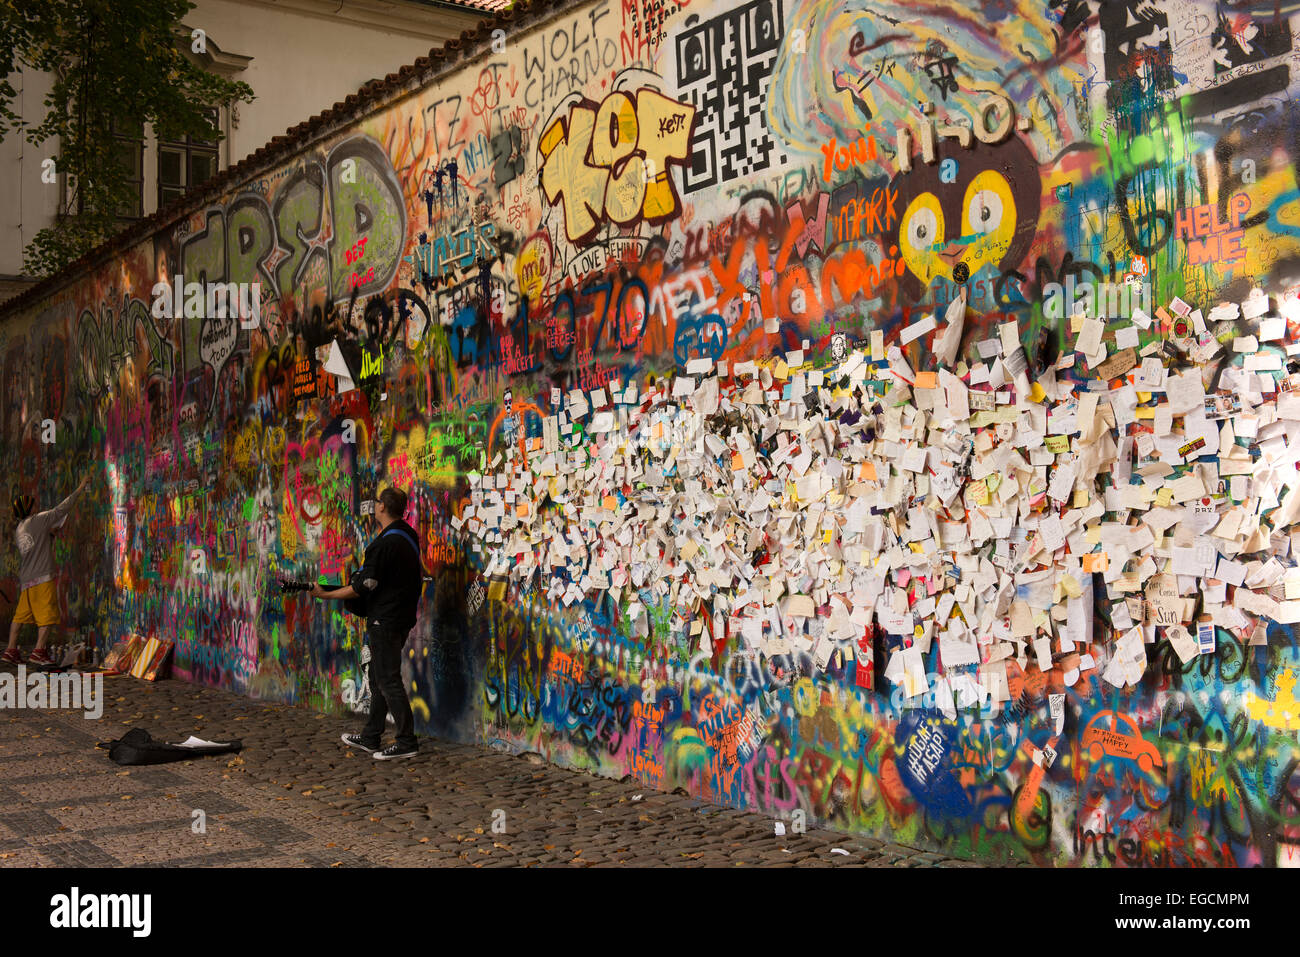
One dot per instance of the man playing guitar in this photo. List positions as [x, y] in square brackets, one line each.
[389, 583]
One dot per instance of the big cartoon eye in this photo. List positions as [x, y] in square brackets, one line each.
[922, 222]
[921, 230]
[990, 208]
[985, 211]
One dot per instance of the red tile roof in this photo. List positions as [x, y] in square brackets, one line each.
[485, 5]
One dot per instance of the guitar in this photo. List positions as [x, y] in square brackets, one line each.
[353, 606]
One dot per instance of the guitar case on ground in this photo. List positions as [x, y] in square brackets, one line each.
[137, 746]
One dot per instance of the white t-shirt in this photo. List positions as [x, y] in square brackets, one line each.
[33, 537]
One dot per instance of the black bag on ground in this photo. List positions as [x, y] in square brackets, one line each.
[137, 746]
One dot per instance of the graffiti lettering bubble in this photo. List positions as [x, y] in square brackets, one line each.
[648, 691]
[1248, 171]
[630, 136]
[198, 41]
[948, 171]
[498, 41]
[47, 431]
[369, 217]
[350, 431]
[48, 174]
[498, 821]
[798, 821]
[199, 825]
[498, 300]
[797, 42]
[198, 561]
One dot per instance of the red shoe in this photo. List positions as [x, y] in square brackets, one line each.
[40, 657]
[12, 656]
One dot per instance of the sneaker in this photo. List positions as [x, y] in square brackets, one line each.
[396, 752]
[12, 656]
[354, 741]
[40, 657]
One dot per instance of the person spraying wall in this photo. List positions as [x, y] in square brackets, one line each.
[38, 598]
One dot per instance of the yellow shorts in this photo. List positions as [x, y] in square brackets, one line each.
[38, 605]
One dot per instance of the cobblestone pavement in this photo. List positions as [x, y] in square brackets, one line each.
[296, 797]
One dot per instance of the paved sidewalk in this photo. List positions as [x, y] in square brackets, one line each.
[297, 797]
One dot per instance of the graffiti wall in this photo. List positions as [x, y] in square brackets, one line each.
[876, 414]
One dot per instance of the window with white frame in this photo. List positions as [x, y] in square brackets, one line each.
[186, 163]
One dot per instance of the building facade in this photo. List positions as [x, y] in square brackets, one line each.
[299, 56]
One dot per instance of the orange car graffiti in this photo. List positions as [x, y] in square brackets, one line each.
[1101, 741]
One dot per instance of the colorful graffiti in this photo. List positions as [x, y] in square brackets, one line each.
[716, 346]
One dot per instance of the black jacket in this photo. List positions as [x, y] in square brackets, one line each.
[390, 579]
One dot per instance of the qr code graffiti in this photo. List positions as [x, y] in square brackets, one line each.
[724, 66]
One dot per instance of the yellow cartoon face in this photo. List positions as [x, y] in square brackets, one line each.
[988, 223]
[985, 216]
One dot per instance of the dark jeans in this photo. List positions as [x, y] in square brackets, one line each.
[387, 692]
